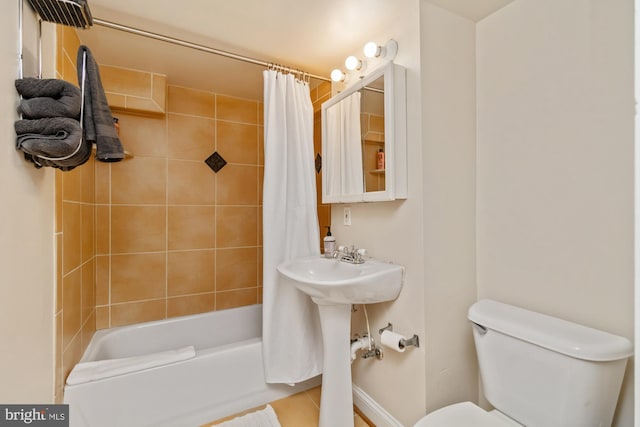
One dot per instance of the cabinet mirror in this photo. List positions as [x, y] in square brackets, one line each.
[364, 140]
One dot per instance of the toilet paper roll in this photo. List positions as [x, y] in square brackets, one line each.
[392, 340]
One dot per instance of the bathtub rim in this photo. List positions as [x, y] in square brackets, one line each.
[102, 335]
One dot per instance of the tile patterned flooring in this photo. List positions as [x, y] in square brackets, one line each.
[298, 410]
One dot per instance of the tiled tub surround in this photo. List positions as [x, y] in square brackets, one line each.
[75, 241]
[173, 237]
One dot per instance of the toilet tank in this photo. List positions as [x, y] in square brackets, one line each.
[546, 372]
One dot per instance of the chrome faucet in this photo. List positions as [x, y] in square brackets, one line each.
[350, 254]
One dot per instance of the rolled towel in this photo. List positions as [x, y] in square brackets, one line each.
[48, 98]
[92, 371]
[98, 121]
[54, 137]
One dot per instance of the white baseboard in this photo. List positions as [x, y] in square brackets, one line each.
[372, 409]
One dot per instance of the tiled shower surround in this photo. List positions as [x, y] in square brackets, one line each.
[75, 318]
[172, 236]
[161, 234]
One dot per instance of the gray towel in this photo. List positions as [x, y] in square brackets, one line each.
[48, 98]
[98, 121]
[52, 137]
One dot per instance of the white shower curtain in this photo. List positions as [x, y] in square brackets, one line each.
[345, 148]
[292, 339]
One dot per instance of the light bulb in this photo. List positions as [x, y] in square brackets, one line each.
[371, 50]
[352, 63]
[338, 75]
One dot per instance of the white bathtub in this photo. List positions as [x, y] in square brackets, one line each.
[225, 376]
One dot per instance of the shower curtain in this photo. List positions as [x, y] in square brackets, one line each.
[292, 339]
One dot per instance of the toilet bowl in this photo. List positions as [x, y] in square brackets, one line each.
[465, 414]
[539, 370]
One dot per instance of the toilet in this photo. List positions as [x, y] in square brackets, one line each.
[538, 370]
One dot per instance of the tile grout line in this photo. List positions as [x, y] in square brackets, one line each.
[258, 227]
[109, 246]
[215, 206]
[166, 220]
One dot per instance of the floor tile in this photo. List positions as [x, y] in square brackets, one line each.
[298, 410]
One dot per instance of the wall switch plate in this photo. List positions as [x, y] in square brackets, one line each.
[347, 216]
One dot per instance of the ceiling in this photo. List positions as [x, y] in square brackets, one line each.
[311, 35]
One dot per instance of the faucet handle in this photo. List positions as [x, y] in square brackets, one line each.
[362, 252]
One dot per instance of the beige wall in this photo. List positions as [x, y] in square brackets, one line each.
[431, 232]
[555, 161]
[449, 173]
[393, 231]
[27, 233]
[554, 187]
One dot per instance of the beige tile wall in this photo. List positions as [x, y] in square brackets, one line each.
[75, 242]
[320, 94]
[173, 237]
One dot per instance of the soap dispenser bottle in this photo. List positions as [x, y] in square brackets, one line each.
[329, 244]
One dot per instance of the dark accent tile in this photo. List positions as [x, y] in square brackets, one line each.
[215, 162]
[318, 162]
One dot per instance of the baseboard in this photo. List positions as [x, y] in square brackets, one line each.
[372, 409]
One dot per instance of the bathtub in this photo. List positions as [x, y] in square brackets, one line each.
[224, 377]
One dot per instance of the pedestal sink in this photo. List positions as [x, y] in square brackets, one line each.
[334, 285]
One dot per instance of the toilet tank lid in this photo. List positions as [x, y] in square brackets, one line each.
[549, 332]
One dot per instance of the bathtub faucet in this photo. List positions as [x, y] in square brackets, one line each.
[351, 254]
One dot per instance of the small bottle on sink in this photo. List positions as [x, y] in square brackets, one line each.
[329, 244]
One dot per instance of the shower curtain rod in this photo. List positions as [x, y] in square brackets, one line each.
[200, 47]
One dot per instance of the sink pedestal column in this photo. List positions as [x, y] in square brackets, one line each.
[334, 286]
[336, 404]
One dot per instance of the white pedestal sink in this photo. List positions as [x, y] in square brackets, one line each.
[334, 286]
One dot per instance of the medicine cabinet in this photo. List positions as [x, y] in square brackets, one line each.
[361, 126]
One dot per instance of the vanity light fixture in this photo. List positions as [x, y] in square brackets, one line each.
[354, 64]
[338, 75]
[389, 50]
[372, 50]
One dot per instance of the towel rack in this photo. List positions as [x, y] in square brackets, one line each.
[84, 78]
[73, 13]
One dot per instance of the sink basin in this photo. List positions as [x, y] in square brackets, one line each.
[330, 281]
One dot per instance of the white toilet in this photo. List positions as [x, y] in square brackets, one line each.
[539, 371]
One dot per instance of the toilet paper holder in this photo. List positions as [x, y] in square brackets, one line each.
[414, 340]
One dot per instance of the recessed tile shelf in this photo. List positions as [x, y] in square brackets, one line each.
[134, 91]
